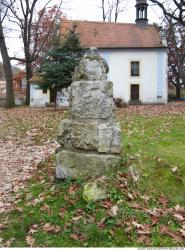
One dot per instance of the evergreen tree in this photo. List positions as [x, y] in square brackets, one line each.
[60, 62]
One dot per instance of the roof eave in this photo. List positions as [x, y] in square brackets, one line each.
[130, 48]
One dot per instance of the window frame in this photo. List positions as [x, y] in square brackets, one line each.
[44, 91]
[139, 68]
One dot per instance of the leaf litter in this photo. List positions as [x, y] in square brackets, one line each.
[25, 155]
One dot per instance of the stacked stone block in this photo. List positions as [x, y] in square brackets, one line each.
[90, 139]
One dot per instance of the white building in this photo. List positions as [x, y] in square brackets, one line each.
[44, 97]
[38, 97]
[135, 53]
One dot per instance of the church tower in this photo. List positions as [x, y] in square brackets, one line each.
[141, 13]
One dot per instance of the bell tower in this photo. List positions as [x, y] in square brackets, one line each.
[141, 13]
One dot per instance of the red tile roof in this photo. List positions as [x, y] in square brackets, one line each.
[114, 35]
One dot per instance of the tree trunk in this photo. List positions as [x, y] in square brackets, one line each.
[29, 75]
[10, 101]
[55, 100]
[178, 92]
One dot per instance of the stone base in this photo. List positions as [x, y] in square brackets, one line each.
[78, 164]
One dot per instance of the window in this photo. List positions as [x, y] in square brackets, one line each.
[135, 68]
[44, 91]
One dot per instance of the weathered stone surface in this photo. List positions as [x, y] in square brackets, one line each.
[63, 172]
[109, 138]
[91, 67]
[79, 135]
[84, 164]
[94, 191]
[102, 137]
[92, 100]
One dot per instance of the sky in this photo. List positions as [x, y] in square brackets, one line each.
[86, 10]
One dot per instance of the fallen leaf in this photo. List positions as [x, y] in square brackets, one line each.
[3, 226]
[174, 169]
[9, 242]
[144, 239]
[114, 210]
[163, 200]
[20, 209]
[182, 231]
[74, 236]
[101, 223]
[107, 204]
[130, 196]
[135, 205]
[147, 231]
[166, 230]
[30, 240]
[128, 229]
[178, 217]
[73, 188]
[37, 201]
[32, 231]
[77, 237]
[77, 218]
[62, 212]
[45, 207]
[179, 209]
[154, 219]
[51, 228]
[137, 225]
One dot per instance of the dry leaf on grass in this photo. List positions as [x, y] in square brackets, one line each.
[77, 237]
[45, 207]
[154, 220]
[182, 231]
[77, 218]
[101, 223]
[163, 200]
[166, 230]
[30, 240]
[179, 217]
[179, 209]
[9, 242]
[62, 212]
[107, 204]
[114, 210]
[73, 188]
[128, 229]
[51, 228]
[145, 231]
[137, 225]
[144, 239]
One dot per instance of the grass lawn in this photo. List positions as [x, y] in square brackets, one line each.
[147, 212]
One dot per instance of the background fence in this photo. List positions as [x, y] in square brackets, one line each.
[19, 94]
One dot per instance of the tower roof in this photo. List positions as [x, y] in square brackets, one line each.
[141, 1]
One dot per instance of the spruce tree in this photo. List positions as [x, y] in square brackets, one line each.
[60, 62]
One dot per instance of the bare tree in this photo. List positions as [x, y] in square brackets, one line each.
[111, 9]
[25, 15]
[10, 102]
[175, 37]
[174, 9]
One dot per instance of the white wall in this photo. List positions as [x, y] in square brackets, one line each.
[153, 74]
[37, 97]
[63, 98]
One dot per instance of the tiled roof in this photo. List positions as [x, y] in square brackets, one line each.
[114, 35]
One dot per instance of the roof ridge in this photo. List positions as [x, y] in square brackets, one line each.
[100, 22]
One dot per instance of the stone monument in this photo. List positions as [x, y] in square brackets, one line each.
[91, 138]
